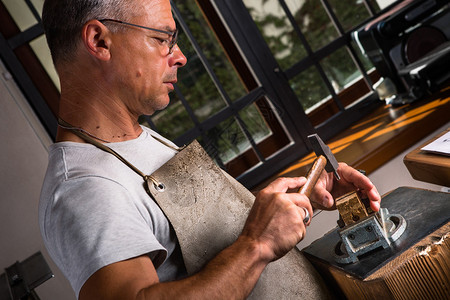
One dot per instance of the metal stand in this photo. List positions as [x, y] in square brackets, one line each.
[21, 278]
[378, 230]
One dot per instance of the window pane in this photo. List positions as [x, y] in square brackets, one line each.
[42, 51]
[350, 13]
[309, 88]
[225, 141]
[212, 50]
[256, 125]
[364, 60]
[277, 31]
[196, 85]
[21, 14]
[314, 22]
[340, 69]
[173, 120]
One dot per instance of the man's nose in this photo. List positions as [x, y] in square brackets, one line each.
[178, 57]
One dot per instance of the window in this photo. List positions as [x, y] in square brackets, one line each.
[261, 75]
[310, 41]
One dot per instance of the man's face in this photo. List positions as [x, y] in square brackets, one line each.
[142, 69]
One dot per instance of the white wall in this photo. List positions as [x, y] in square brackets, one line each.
[385, 3]
[23, 161]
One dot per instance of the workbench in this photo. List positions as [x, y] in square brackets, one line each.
[416, 266]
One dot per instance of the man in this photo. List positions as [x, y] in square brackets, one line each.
[97, 221]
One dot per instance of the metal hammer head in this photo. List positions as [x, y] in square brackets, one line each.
[320, 148]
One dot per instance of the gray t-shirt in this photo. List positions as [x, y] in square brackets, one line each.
[94, 209]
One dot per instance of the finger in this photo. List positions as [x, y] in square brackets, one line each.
[375, 199]
[304, 205]
[306, 217]
[363, 183]
[355, 177]
[321, 197]
[282, 184]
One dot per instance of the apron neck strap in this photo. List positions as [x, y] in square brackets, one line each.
[103, 147]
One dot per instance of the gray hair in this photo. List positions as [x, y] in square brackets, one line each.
[64, 19]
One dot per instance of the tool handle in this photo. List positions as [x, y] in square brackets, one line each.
[313, 175]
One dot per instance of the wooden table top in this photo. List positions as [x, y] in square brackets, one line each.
[429, 167]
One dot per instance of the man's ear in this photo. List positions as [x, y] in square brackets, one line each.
[96, 39]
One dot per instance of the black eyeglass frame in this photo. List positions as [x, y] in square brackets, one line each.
[173, 34]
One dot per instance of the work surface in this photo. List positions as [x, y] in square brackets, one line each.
[424, 212]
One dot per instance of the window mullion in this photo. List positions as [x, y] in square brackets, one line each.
[187, 106]
[33, 11]
[297, 29]
[350, 49]
[26, 36]
[333, 17]
[249, 137]
[360, 66]
[201, 55]
[311, 54]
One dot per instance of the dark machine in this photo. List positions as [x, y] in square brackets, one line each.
[409, 45]
[21, 278]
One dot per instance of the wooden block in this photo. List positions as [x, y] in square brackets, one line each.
[429, 167]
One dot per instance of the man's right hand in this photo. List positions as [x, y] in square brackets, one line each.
[275, 222]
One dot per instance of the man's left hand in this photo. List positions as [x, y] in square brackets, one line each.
[328, 188]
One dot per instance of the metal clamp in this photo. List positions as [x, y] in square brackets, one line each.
[378, 230]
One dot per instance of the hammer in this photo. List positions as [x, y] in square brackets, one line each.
[325, 160]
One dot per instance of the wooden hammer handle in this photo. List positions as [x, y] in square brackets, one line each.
[313, 175]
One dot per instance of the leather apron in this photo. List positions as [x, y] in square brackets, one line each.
[208, 209]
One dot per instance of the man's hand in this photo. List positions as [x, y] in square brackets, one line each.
[328, 188]
[275, 221]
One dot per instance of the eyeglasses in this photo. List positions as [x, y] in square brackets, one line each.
[170, 42]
